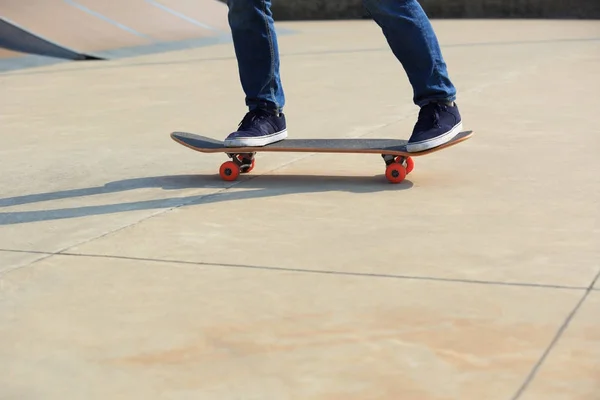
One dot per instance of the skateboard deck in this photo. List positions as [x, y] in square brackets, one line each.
[398, 160]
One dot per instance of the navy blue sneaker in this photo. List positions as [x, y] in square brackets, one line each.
[438, 123]
[258, 128]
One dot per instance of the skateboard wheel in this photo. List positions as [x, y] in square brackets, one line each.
[395, 173]
[229, 171]
[241, 161]
[410, 163]
[250, 168]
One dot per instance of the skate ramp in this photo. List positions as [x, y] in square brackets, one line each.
[107, 29]
[17, 39]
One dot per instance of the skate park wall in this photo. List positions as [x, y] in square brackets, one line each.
[353, 9]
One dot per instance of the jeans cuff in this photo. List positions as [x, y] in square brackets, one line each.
[264, 105]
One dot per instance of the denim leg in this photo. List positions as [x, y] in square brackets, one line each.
[257, 52]
[411, 38]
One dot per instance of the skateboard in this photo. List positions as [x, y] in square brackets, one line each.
[398, 161]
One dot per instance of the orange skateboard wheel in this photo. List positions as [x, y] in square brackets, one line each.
[229, 171]
[410, 165]
[251, 167]
[395, 173]
[244, 170]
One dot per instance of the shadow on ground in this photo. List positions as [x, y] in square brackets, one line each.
[257, 187]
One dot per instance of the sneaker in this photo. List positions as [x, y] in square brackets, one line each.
[258, 128]
[438, 124]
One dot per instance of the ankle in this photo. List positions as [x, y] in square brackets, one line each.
[449, 103]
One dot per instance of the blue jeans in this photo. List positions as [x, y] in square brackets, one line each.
[403, 22]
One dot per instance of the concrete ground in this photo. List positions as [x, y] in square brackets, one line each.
[129, 270]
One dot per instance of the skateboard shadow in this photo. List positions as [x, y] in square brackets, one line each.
[257, 186]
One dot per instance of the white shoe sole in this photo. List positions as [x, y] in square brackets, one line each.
[256, 142]
[435, 142]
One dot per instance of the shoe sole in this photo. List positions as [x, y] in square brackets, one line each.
[435, 142]
[256, 141]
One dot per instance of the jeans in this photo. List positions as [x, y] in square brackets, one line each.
[404, 24]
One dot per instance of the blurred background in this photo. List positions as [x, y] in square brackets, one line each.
[101, 29]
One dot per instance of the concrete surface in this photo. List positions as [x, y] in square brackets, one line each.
[130, 270]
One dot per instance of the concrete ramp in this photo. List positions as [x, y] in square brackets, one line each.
[105, 29]
[17, 39]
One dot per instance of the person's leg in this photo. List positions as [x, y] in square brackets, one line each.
[256, 49]
[412, 39]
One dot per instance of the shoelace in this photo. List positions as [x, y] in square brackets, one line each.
[251, 117]
[429, 114]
